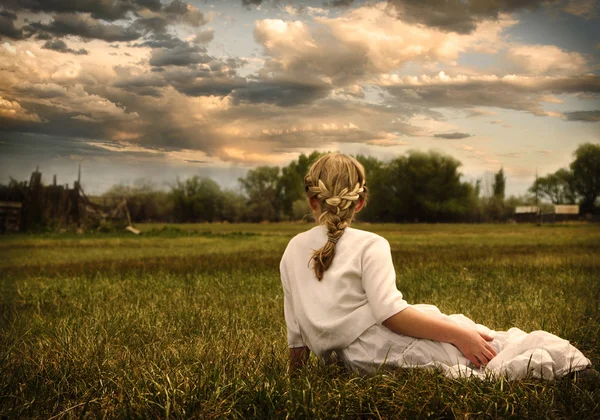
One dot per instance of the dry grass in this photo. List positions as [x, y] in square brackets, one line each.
[187, 322]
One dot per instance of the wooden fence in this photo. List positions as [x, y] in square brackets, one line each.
[29, 206]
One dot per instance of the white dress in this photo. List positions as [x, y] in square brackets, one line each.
[343, 313]
[538, 354]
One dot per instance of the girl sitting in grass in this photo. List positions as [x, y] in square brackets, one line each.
[340, 297]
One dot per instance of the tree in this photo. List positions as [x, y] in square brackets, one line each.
[558, 187]
[291, 182]
[586, 174]
[420, 187]
[264, 193]
[144, 201]
[499, 186]
[197, 200]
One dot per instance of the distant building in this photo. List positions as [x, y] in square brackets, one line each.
[564, 213]
[527, 214]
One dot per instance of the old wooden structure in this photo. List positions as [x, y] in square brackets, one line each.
[29, 206]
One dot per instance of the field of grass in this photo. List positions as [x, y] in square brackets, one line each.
[187, 321]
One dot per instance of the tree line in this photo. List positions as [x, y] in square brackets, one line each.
[415, 187]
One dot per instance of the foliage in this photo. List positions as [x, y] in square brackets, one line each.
[187, 322]
[558, 187]
[197, 200]
[414, 187]
[144, 201]
[499, 186]
[586, 174]
[264, 193]
[418, 187]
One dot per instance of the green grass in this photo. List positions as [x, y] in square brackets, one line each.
[186, 321]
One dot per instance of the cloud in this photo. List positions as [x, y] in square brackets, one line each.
[12, 111]
[249, 3]
[281, 92]
[144, 84]
[587, 116]
[452, 136]
[478, 112]
[180, 11]
[105, 10]
[85, 27]
[363, 42]
[523, 93]
[8, 47]
[586, 9]
[179, 56]
[203, 37]
[546, 59]
[460, 16]
[339, 3]
[60, 46]
[7, 25]
[305, 10]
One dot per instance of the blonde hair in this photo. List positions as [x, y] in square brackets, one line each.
[337, 182]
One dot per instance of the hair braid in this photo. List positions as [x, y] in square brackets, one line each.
[337, 182]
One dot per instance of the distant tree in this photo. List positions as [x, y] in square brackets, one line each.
[558, 187]
[499, 186]
[586, 174]
[263, 190]
[234, 207]
[197, 200]
[291, 182]
[375, 172]
[420, 187]
[145, 201]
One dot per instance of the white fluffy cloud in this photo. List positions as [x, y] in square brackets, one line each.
[546, 59]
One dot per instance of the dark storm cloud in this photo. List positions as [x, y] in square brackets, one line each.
[60, 46]
[41, 91]
[587, 116]
[85, 27]
[7, 25]
[283, 93]
[338, 3]
[143, 85]
[87, 19]
[161, 40]
[524, 96]
[182, 55]
[44, 145]
[452, 136]
[212, 79]
[104, 9]
[461, 16]
[249, 3]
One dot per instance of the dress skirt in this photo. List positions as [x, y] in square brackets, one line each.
[537, 354]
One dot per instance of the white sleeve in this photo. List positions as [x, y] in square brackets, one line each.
[379, 280]
[294, 337]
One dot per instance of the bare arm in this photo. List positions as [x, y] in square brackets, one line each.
[472, 344]
[298, 357]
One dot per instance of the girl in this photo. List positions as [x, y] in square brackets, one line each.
[345, 300]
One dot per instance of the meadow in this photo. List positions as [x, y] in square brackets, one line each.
[186, 321]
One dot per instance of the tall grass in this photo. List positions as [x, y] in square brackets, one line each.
[187, 322]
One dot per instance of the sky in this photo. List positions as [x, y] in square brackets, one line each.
[158, 90]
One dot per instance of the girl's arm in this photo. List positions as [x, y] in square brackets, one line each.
[298, 357]
[473, 344]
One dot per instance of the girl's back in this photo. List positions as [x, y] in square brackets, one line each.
[357, 290]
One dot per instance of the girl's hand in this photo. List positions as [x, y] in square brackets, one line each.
[474, 345]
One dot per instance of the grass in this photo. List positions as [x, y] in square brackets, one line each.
[186, 321]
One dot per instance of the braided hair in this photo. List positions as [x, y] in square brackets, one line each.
[337, 182]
